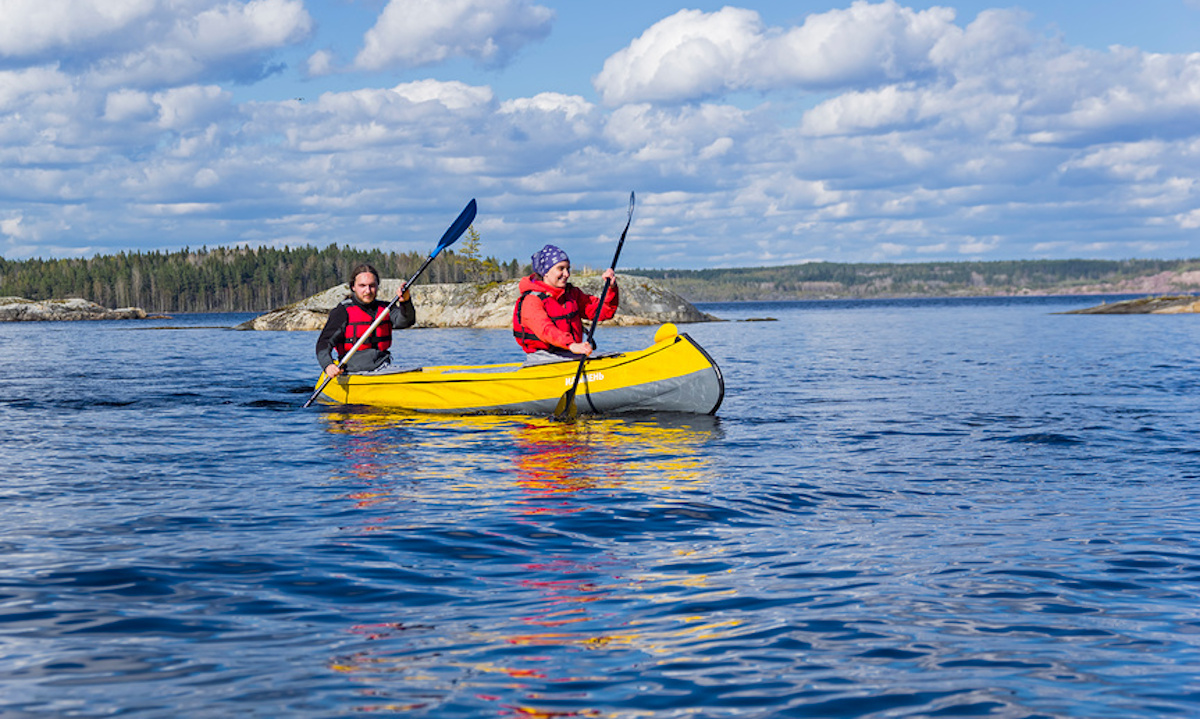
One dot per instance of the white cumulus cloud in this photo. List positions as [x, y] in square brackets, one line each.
[863, 44]
[11, 226]
[34, 85]
[452, 95]
[688, 55]
[125, 105]
[569, 105]
[692, 55]
[872, 130]
[34, 27]
[413, 33]
[319, 64]
[152, 43]
[236, 28]
[188, 107]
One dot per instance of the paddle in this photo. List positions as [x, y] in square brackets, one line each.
[453, 232]
[566, 408]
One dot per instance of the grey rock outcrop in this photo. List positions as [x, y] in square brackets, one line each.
[18, 309]
[1168, 305]
[486, 306]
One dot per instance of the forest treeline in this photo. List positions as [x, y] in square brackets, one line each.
[925, 279]
[243, 279]
[239, 279]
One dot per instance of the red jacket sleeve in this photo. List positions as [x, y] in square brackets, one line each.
[589, 303]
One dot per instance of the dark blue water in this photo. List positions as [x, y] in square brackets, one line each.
[968, 508]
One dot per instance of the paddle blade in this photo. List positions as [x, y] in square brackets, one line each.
[566, 407]
[457, 228]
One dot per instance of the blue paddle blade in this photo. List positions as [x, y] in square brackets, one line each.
[454, 231]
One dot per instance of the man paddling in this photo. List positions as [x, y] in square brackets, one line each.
[349, 320]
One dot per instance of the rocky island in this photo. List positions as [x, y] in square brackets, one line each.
[486, 305]
[19, 309]
[1164, 305]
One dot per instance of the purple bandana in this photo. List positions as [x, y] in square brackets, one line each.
[546, 258]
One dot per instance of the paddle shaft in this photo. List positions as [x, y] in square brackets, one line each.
[566, 404]
[464, 220]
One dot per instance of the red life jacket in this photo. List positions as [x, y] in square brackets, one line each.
[359, 320]
[564, 312]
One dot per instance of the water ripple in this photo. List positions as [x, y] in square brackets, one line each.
[945, 510]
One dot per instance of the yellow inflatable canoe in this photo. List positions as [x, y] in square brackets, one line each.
[672, 375]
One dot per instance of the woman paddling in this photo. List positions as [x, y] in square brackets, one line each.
[549, 315]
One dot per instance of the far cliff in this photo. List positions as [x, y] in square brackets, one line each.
[643, 302]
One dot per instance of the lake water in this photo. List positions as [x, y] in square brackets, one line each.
[954, 508]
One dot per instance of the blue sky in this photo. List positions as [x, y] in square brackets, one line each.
[754, 134]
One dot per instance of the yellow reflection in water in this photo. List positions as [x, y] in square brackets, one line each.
[528, 468]
[651, 453]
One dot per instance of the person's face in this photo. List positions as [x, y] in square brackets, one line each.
[558, 275]
[365, 287]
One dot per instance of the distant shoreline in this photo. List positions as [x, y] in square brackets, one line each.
[826, 281]
[263, 279]
[14, 309]
[885, 298]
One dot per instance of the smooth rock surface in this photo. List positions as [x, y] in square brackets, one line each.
[18, 309]
[1169, 305]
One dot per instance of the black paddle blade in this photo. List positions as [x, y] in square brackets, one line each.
[566, 409]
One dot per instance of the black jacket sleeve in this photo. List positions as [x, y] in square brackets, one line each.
[335, 329]
[403, 315]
